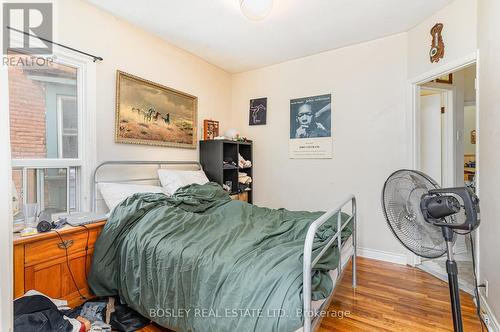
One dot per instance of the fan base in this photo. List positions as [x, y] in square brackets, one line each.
[452, 270]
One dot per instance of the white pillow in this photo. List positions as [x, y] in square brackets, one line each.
[171, 180]
[115, 193]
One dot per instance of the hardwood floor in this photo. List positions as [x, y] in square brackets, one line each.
[391, 297]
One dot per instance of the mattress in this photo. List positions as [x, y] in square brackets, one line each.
[345, 254]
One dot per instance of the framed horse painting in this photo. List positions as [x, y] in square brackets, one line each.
[153, 114]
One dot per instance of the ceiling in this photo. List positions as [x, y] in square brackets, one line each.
[216, 31]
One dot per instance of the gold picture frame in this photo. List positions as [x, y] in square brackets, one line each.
[153, 114]
[446, 79]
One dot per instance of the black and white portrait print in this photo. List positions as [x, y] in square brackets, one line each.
[311, 117]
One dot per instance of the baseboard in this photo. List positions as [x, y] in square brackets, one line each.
[382, 255]
[493, 325]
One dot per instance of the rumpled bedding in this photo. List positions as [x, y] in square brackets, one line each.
[199, 261]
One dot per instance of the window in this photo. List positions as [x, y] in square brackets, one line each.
[46, 136]
[67, 116]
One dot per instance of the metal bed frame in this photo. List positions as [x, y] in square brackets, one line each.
[95, 174]
[311, 320]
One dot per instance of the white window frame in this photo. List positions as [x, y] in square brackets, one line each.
[86, 104]
[60, 124]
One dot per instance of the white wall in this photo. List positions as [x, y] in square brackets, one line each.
[489, 142]
[130, 49]
[460, 39]
[6, 260]
[469, 125]
[367, 83]
[6, 249]
[470, 89]
[459, 36]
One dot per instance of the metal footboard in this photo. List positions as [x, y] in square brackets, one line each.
[310, 320]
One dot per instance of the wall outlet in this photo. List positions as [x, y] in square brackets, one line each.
[486, 320]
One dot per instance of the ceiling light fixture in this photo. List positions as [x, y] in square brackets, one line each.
[256, 9]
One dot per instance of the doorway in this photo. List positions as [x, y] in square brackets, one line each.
[436, 126]
[447, 145]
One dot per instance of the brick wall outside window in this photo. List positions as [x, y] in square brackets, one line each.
[27, 121]
[28, 89]
[27, 116]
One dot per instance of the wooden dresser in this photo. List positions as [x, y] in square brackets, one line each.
[40, 262]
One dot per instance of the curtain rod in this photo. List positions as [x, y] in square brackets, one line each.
[95, 58]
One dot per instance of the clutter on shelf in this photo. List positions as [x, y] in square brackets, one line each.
[229, 163]
[231, 134]
[242, 163]
[244, 187]
[244, 178]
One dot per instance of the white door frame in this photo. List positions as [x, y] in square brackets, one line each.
[413, 125]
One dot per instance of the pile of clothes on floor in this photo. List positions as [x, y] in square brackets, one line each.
[37, 312]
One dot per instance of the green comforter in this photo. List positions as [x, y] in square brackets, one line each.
[199, 261]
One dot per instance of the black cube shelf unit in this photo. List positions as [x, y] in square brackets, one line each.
[212, 155]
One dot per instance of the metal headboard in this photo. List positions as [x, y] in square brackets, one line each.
[96, 180]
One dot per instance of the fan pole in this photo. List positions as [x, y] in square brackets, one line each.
[452, 270]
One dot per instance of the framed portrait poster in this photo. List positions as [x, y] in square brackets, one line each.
[311, 127]
[153, 114]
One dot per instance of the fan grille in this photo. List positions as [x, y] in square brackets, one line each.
[401, 198]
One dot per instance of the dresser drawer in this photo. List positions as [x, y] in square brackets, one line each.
[40, 262]
[48, 249]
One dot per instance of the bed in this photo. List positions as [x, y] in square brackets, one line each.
[242, 266]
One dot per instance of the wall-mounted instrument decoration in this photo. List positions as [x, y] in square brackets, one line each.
[437, 47]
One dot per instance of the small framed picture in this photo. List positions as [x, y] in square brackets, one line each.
[210, 129]
[473, 137]
[258, 112]
[446, 79]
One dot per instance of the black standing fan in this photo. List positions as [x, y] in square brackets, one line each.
[424, 217]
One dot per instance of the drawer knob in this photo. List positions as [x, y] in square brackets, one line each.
[65, 244]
